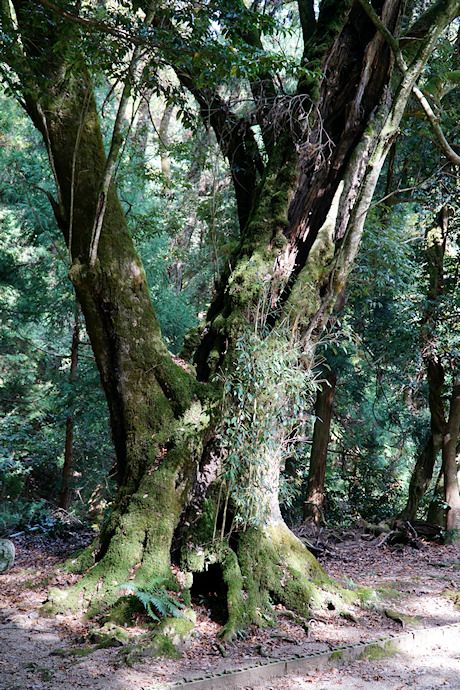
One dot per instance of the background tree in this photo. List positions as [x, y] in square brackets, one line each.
[37, 307]
[314, 496]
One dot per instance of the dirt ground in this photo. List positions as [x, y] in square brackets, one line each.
[413, 588]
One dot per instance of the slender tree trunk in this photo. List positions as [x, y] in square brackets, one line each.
[422, 473]
[64, 496]
[449, 462]
[314, 497]
[423, 470]
[163, 134]
[436, 511]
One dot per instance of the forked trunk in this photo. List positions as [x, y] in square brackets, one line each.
[296, 250]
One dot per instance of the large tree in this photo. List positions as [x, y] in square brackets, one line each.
[302, 195]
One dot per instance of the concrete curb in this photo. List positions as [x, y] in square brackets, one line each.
[316, 661]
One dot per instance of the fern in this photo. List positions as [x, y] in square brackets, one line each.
[156, 600]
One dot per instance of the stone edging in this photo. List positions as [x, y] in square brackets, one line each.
[386, 646]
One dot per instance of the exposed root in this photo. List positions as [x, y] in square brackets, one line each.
[270, 566]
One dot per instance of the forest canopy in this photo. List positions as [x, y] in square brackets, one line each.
[194, 354]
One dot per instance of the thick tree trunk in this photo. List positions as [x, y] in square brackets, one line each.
[301, 234]
[157, 418]
[437, 511]
[314, 496]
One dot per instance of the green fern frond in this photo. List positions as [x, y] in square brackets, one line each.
[155, 598]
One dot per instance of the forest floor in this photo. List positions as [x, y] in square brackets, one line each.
[412, 588]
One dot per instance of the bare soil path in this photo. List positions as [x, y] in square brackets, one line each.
[413, 589]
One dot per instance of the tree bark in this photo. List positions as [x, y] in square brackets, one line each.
[64, 496]
[422, 473]
[302, 227]
[423, 470]
[165, 159]
[449, 463]
[157, 419]
[314, 497]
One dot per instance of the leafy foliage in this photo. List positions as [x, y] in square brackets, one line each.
[185, 225]
[37, 308]
[267, 398]
[157, 601]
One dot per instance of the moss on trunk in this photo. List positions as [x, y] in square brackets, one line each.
[305, 225]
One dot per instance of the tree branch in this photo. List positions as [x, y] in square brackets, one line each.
[434, 122]
[263, 87]
[235, 138]
[99, 26]
[117, 141]
[307, 18]
[401, 63]
[37, 217]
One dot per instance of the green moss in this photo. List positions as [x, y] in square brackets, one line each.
[330, 23]
[177, 629]
[376, 652]
[80, 652]
[276, 564]
[234, 581]
[403, 619]
[60, 601]
[348, 596]
[305, 297]
[80, 562]
[163, 646]
[125, 610]
[453, 595]
[390, 592]
[142, 536]
[366, 595]
[336, 656]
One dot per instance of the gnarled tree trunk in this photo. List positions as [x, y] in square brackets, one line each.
[301, 229]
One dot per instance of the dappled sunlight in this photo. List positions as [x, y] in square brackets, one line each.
[424, 666]
[62, 648]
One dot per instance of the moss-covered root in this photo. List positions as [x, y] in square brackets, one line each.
[271, 564]
[139, 545]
